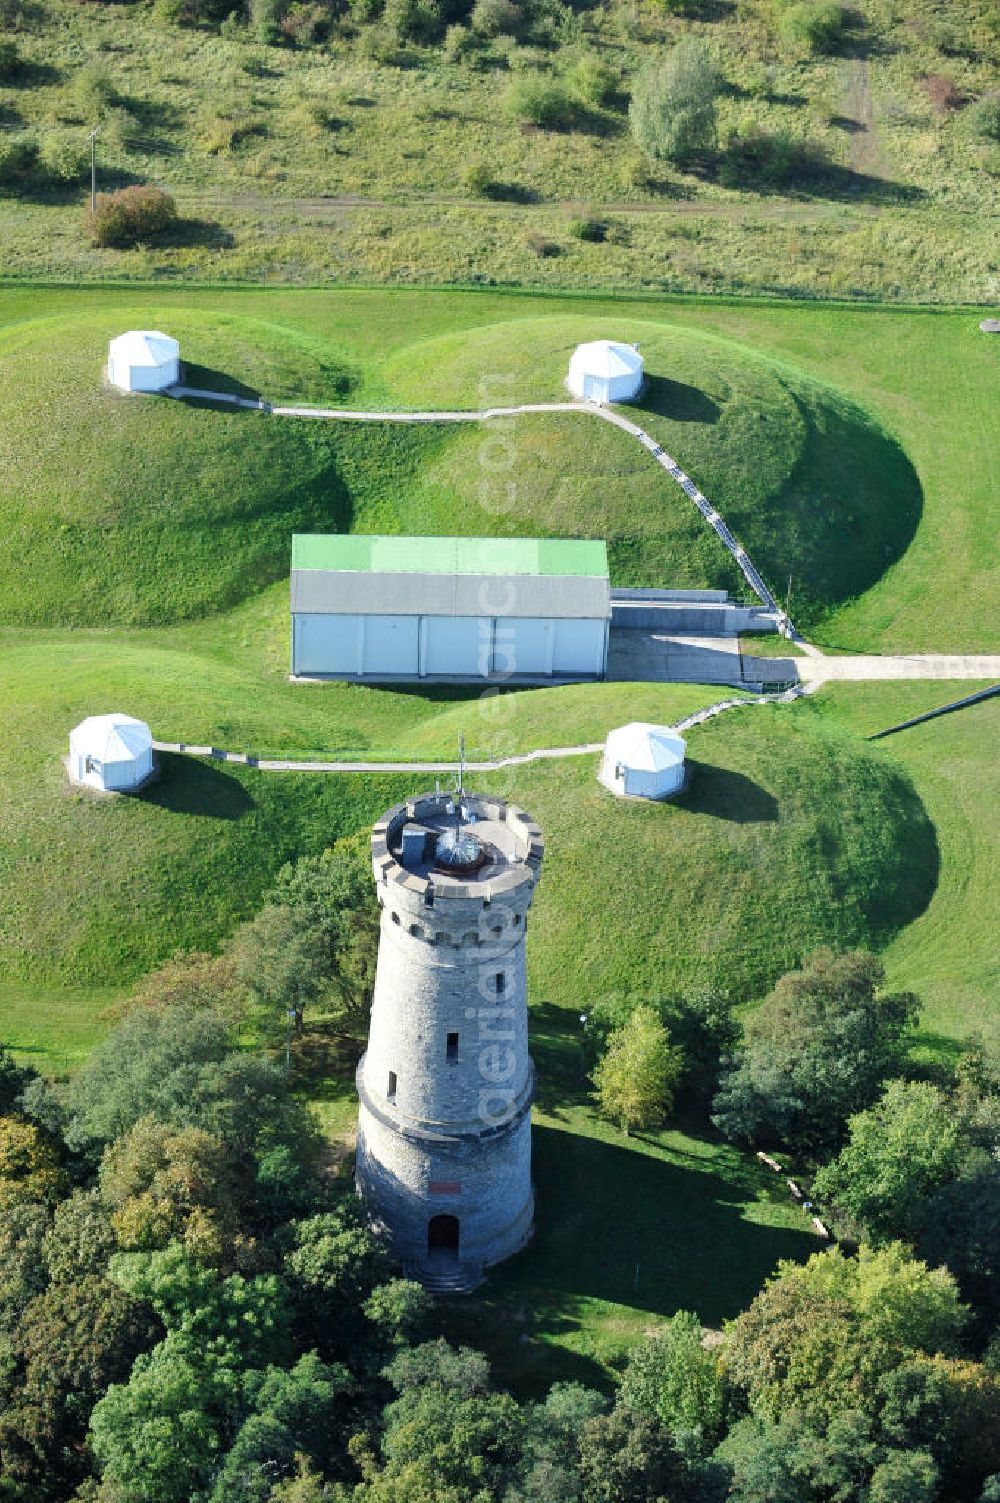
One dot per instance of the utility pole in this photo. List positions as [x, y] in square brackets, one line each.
[93, 168]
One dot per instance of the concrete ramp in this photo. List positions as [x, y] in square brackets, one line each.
[654, 657]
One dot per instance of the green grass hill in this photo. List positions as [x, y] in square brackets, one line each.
[808, 480]
[130, 510]
[792, 834]
[139, 511]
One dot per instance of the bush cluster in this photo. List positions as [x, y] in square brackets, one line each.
[542, 102]
[129, 215]
[812, 26]
[672, 113]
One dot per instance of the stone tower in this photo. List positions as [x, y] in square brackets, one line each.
[444, 1132]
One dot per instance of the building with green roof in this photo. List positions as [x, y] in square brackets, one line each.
[463, 610]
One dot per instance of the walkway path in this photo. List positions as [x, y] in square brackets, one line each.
[827, 669]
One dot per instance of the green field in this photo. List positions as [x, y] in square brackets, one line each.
[344, 156]
[854, 451]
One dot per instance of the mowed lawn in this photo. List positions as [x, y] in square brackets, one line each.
[950, 954]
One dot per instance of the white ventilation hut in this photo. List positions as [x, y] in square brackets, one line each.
[605, 372]
[643, 761]
[143, 360]
[111, 752]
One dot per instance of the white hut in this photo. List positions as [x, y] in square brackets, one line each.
[643, 761]
[112, 752]
[605, 372]
[143, 360]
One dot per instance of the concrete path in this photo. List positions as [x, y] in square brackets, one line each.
[291, 764]
[825, 669]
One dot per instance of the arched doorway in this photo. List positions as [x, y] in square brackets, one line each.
[442, 1237]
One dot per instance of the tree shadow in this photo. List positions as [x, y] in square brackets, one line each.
[562, 1059]
[811, 176]
[187, 785]
[512, 193]
[188, 232]
[848, 124]
[32, 75]
[677, 400]
[653, 1231]
[722, 793]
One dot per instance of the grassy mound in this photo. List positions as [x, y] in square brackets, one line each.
[132, 510]
[814, 488]
[792, 834]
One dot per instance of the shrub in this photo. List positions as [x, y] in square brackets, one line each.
[541, 102]
[383, 46]
[305, 24]
[312, 118]
[18, 158]
[418, 21]
[363, 12]
[943, 92]
[231, 27]
[130, 215]
[265, 19]
[588, 228]
[813, 26]
[10, 58]
[983, 117]
[479, 180]
[94, 93]
[63, 156]
[20, 15]
[492, 18]
[458, 43]
[539, 244]
[116, 129]
[592, 81]
[672, 112]
[220, 133]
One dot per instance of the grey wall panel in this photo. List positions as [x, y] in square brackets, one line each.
[326, 644]
[580, 647]
[456, 645]
[523, 646]
[390, 644]
[520, 595]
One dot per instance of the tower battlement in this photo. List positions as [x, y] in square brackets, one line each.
[414, 875]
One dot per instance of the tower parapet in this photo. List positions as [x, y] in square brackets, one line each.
[444, 1133]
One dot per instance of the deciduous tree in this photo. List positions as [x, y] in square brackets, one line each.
[672, 112]
[816, 1050]
[638, 1073]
